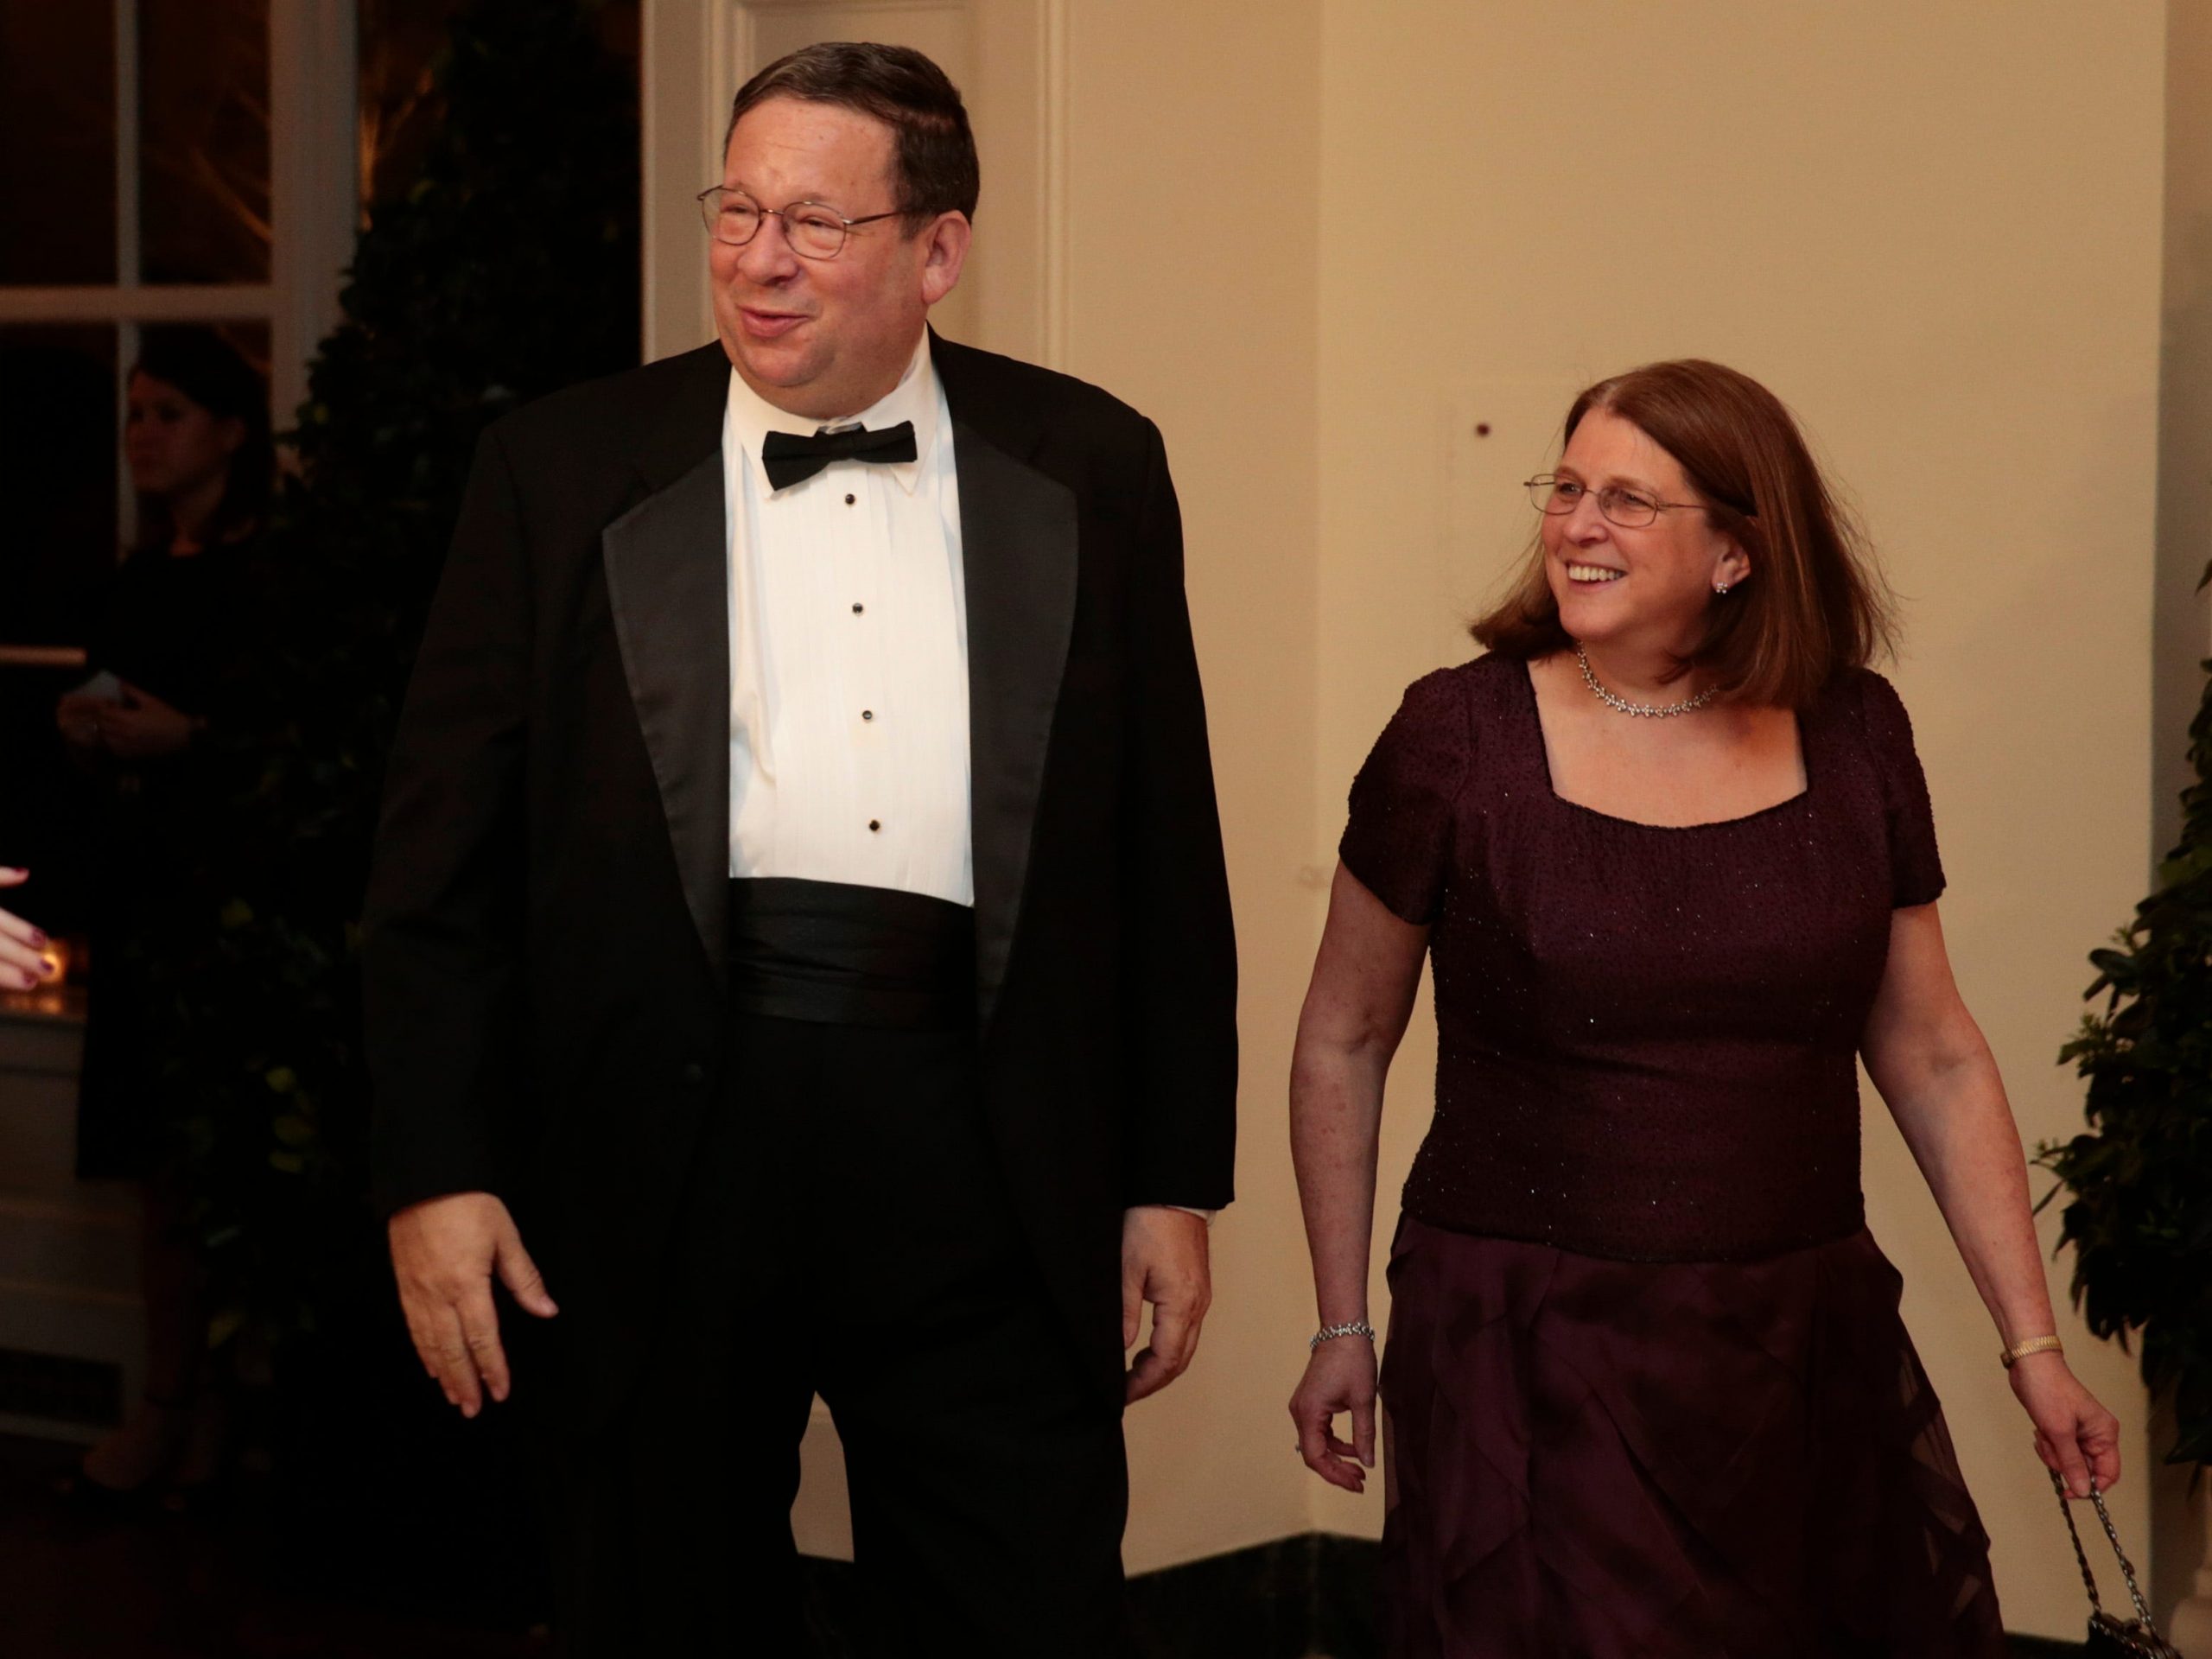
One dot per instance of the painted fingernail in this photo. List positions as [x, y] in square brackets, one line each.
[38, 939]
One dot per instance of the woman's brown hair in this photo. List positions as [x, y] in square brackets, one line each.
[1814, 605]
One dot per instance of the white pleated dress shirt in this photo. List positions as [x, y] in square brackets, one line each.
[848, 654]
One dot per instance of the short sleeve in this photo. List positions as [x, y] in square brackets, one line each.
[1916, 869]
[1399, 841]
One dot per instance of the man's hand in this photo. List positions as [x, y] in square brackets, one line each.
[1163, 1262]
[444, 1252]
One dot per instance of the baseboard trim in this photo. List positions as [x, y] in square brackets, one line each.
[1312, 1596]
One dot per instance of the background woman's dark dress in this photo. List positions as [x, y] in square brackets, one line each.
[171, 626]
[1647, 1391]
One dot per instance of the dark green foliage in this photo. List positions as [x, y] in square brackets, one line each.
[2140, 1216]
[510, 269]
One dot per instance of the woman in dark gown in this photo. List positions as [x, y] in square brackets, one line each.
[1670, 850]
[168, 644]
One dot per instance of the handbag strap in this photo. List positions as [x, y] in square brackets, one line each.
[2088, 1579]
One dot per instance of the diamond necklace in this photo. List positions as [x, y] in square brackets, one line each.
[1641, 710]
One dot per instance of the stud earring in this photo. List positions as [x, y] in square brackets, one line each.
[1719, 587]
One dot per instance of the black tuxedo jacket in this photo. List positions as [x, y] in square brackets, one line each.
[544, 934]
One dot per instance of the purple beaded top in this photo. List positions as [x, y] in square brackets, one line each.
[1646, 1036]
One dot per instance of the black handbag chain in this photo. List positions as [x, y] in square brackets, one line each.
[2133, 1637]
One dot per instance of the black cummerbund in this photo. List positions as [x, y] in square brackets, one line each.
[832, 954]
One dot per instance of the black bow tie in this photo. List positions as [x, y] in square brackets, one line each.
[789, 459]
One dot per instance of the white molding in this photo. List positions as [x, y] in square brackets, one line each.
[128, 254]
[181, 302]
[314, 187]
[733, 54]
[42, 657]
[677, 79]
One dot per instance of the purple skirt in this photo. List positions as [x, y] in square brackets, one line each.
[1596, 1459]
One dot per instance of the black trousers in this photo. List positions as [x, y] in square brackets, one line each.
[847, 1233]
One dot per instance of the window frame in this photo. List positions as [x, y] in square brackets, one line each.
[315, 210]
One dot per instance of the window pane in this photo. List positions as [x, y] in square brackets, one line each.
[57, 142]
[203, 140]
[58, 458]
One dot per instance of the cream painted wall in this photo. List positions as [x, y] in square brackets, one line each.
[1934, 229]
[1320, 240]
[1191, 146]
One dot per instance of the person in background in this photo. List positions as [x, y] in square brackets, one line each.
[24, 965]
[1670, 850]
[171, 633]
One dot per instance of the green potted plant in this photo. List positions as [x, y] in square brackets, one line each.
[2139, 1179]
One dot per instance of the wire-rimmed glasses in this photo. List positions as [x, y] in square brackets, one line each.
[1630, 509]
[814, 230]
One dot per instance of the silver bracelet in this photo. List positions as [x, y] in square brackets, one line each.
[1331, 1332]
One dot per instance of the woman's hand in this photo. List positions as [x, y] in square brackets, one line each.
[2074, 1435]
[144, 727]
[77, 718]
[23, 964]
[1339, 1377]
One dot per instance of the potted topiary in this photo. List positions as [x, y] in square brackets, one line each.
[2139, 1181]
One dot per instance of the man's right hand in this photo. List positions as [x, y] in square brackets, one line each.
[444, 1252]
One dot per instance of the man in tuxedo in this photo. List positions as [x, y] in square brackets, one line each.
[799, 913]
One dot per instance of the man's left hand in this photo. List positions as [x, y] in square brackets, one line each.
[1163, 1262]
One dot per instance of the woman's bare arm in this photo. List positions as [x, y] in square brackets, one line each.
[1941, 1083]
[1364, 980]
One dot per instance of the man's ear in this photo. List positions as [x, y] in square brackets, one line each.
[944, 255]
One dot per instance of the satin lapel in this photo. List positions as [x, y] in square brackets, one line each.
[667, 578]
[1017, 549]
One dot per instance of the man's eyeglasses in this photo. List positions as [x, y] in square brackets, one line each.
[815, 231]
[1627, 508]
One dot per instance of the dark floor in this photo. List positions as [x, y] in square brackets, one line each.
[149, 1584]
[233, 1583]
